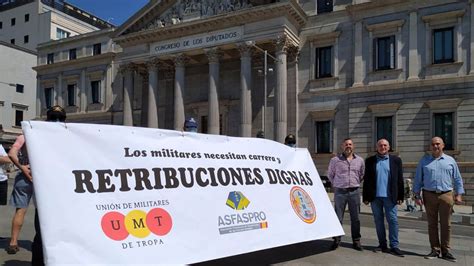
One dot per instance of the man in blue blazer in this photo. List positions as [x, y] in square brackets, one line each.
[383, 189]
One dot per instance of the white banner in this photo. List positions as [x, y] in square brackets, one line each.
[128, 195]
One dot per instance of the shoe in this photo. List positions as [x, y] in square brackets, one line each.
[357, 246]
[12, 249]
[381, 249]
[433, 255]
[448, 256]
[397, 252]
[335, 244]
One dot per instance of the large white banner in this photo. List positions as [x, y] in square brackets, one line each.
[129, 195]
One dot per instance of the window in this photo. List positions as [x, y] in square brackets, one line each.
[324, 6]
[323, 137]
[72, 54]
[443, 44]
[19, 88]
[1, 25]
[26, 39]
[95, 90]
[443, 128]
[384, 53]
[50, 59]
[12, 41]
[384, 129]
[71, 94]
[61, 34]
[48, 97]
[27, 17]
[97, 49]
[13, 21]
[18, 117]
[323, 62]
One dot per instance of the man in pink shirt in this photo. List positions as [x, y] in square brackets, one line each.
[346, 172]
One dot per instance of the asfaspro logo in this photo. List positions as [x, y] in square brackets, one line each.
[137, 223]
[240, 220]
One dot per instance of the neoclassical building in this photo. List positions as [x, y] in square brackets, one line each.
[323, 70]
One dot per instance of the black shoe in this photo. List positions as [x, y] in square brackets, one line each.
[335, 244]
[380, 249]
[434, 254]
[357, 246]
[448, 256]
[397, 252]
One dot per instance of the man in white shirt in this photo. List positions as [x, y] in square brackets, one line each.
[4, 160]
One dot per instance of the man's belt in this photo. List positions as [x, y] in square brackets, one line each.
[437, 191]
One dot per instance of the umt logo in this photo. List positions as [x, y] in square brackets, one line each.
[136, 223]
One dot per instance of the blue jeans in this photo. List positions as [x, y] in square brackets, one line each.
[378, 207]
[351, 197]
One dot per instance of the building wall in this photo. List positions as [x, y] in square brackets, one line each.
[17, 71]
[21, 28]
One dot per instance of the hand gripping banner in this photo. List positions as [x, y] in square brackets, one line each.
[129, 195]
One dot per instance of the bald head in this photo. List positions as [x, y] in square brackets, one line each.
[437, 146]
[383, 146]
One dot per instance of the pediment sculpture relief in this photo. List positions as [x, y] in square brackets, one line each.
[188, 10]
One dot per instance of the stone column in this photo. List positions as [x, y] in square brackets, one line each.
[293, 88]
[413, 64]
[127, 72]
[280, 103]
[245, 90]
[471, 68]
[359, 66]
[59, 90]
[152, 93]
[213, 126]
[39, 96]
[82, 92]
[180, 63]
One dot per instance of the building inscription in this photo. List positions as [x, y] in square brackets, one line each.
[197, 41]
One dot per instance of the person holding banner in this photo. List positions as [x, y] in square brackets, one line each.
[345, 173]
[22, 190]
[190, 125]
[54, 114]
[383, 189]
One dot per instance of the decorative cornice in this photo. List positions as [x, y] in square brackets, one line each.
[386, 25]
[443, 16]
[385, 107]
[290, 9]
[444, 103]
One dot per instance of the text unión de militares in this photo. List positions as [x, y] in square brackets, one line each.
[139, 179]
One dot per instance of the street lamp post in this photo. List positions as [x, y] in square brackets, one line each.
[265, 74]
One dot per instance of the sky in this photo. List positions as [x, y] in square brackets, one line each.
[113, 11]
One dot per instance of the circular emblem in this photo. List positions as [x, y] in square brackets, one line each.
[302, 205]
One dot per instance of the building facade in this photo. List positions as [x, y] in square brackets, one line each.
[323, 70]
[23, 25]
[27, 23]
[17, 89]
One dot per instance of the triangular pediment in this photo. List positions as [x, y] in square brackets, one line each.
[164, 13]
